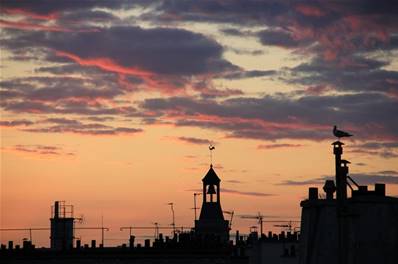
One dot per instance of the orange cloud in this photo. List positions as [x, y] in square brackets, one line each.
[162, 83]
[106, 64]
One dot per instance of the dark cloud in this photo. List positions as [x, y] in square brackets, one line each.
[248, 74]
[193, 140]
[242, 51]
[115, 60]
[42, 150]
[316, 181]
[378, 145]
[274, 146]
[338, 35]
[60, 88]
[383, 149]
[246, 193]
[156, 50]
[387, 177]
[64, 107]
[278, 117]
[231, 12]
[350, 74]
[219, 93]
[88, 95]
[80, 18]
[278, 38]
[62, 121]
[86, 129]
[372, 178]
[234, 181]
[64, 125]
[387, 154]
[233, 32]
[15, 123]
[391, 172]
[100, 118]
[325, 24]
[46, 7]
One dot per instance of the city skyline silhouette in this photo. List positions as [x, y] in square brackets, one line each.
[119, 108]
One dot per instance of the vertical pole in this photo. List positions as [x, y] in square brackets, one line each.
[340, 202]
[56, 209]
[102, 230]
[194, 204]
[173, 223]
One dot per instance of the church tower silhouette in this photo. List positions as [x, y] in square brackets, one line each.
[211, 223]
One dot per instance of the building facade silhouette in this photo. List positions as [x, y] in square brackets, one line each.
[211, 224]
[62, 226]
[340, 229]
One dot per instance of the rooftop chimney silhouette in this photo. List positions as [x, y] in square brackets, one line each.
[62, 226]
[330, 189]
[341, 172]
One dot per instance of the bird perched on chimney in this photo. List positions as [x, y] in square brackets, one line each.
[339, 133]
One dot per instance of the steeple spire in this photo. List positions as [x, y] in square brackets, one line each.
[211, 220]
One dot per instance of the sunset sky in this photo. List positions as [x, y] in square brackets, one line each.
[111, 106]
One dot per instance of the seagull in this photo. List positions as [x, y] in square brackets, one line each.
[339, 133]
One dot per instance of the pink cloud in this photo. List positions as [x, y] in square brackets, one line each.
[20, 11]
[30, 26]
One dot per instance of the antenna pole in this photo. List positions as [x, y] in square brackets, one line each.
[173, 223]
[102, 230]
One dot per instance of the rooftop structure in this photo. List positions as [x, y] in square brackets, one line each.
[211, 224]
[362, 228]
[62, 226]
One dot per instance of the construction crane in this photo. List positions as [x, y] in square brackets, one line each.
[259, 218]
[46, 228]
[288, 224]
[231, 213]
[155, 227]
[25, 229]
[102, 228]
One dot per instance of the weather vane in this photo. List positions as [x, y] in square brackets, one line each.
[211, 148]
